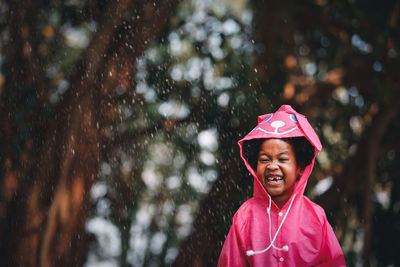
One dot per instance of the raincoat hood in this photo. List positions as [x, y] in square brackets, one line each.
[299, 233]
[284, 123]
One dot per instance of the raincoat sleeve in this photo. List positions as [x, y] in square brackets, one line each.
[330, 253]
[233, 253]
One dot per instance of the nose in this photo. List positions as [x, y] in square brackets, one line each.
[272, 166]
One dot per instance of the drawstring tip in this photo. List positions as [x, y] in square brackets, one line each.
[285, 248]
[250, 253]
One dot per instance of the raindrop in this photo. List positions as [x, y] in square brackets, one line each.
[392, 53]
[391, 154]
[377, 66]
[324, 41]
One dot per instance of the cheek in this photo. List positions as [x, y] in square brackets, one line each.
[260, 170]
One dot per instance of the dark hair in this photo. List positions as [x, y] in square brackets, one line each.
[303, 151]
[250, 151]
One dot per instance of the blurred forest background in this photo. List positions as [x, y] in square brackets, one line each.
[119, 123]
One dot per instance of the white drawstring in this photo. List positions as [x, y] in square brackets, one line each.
[285, 247]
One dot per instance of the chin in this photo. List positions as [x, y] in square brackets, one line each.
[273, 193]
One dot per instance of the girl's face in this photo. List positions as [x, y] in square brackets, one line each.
[277, 169]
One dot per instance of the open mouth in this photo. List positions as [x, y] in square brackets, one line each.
[274, 179]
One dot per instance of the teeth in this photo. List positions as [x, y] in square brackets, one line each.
[274, 179]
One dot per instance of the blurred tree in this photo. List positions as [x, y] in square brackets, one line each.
[190, 73]
[51, 146]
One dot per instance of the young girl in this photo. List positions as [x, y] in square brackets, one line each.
[280, 226]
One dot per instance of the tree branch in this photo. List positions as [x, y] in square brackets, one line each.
[346, 184]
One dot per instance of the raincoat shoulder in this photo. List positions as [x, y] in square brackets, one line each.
[330, 252]
[235, 246]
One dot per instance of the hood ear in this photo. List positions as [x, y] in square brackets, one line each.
[261, 118]
[309, 132]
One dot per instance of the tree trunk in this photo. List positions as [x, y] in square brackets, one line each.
[45, 218]
[48, 223]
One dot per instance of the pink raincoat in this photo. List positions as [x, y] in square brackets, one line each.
[298, 234]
